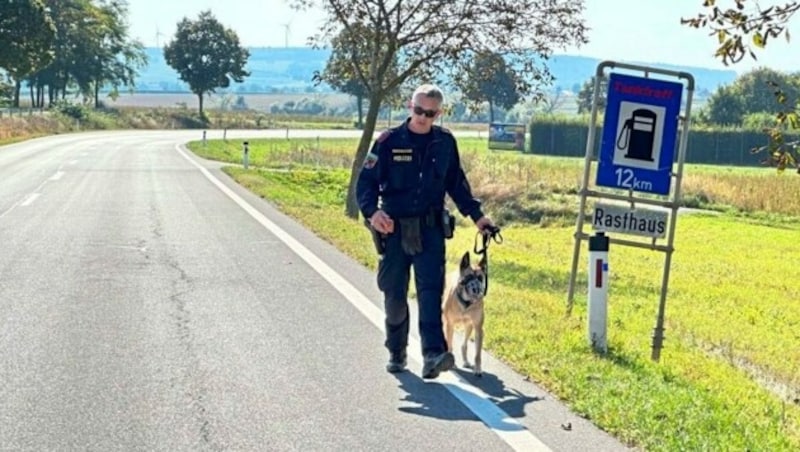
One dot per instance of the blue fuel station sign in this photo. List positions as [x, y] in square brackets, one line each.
[639, 134]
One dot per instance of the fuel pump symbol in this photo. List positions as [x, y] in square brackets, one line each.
[637, 135]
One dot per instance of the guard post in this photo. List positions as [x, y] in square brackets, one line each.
[204, 138]
[245, 154]
[598, 292]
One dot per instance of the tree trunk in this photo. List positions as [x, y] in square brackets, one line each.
[360, 106]
[33, 98]
[17, 87]
[200, 99]
[351, 205]
[96, 95]
[491, 112]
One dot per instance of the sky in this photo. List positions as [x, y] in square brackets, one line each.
[644, 31]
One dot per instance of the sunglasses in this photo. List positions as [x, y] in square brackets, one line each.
[427, 113]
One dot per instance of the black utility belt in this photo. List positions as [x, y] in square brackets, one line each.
[436, 218]
[430, 218]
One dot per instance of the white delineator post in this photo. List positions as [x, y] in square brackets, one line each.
[598, 292]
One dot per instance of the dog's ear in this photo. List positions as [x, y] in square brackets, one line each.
[483, 263]
[465, 261]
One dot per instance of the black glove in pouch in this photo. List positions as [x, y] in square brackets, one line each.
[411, 236]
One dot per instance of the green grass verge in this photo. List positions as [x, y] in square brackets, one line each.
[732, 314]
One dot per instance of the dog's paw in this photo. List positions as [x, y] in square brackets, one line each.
[468, 365]
[477, 372]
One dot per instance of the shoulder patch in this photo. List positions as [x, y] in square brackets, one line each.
[370, 161]
[384, 135]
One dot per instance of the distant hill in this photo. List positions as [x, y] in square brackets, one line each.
[291, 69]
[572, 70]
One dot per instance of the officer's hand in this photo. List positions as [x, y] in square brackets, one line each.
[382, 222]
[485, 225]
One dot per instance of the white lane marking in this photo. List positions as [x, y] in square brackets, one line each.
[29, 199]
[57, 175]
[25, 201]
[505, 426]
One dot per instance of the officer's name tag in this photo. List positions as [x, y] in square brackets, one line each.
[402, 155]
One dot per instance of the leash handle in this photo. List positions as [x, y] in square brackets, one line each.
[494, 234]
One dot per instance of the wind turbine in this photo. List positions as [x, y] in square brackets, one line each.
[286, 27]
[158, 34]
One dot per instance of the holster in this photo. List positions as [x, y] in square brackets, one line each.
[378, 239]
[448, 224]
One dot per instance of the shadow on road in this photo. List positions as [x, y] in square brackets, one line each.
[509, 400]
[434, 400]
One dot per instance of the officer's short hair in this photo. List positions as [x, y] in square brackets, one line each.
[430, 91]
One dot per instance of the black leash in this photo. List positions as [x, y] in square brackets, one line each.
[486, 238]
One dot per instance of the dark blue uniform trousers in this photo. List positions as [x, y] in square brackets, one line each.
[393, 279]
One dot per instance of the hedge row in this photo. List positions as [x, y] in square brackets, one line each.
[721, 147]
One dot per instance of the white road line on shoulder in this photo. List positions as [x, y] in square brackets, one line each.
[506, 427]
[29, 199]
[58, 175]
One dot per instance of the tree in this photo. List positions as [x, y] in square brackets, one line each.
[725, 107]
[27, 34]
[339, 72]
[108, 55]
[757, 90]
[552, 101]
[91, 50]
[6, 91]
[350, 49]
[734, 27]
[489, 79]
[206, 55]
[752, 92]
[586, 95]
[428, 38]
[68, 17]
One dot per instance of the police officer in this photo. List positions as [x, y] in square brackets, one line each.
[401, 192]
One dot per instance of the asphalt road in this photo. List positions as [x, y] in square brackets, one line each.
[149, 303]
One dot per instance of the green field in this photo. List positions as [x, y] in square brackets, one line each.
[729, 375]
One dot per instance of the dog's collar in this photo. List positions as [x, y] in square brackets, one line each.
[465, 304]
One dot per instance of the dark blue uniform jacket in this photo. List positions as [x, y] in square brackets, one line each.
[407, 182]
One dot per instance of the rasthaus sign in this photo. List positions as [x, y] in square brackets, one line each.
[623, 219]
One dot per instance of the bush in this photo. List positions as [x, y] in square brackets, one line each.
[71, 110]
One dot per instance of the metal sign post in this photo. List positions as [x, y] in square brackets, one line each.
[641, 125]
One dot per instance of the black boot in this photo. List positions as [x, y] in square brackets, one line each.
[397, 362]
[436, 364]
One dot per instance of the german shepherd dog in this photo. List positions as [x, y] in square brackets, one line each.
[463, 306]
